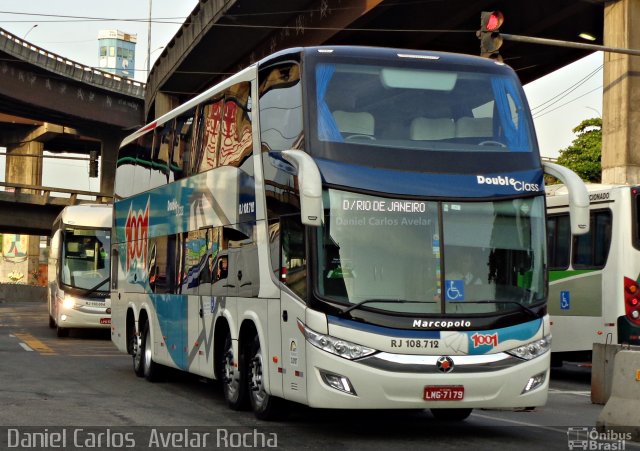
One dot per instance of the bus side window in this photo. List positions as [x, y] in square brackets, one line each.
[142, 172]
[209, 146]
[160, 153]
[274, 246]
[293, 264]
[280, 91]
[590, 251]
[180, 157]
[558, 241]
[236, 143]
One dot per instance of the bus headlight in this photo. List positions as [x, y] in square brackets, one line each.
[533, 349]
[333, 345]
[69, 302]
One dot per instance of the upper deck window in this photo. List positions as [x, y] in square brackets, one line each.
[442, 109]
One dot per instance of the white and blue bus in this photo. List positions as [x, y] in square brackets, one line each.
[342, 227]
[78, 268]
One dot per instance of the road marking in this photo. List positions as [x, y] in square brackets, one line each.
[97, 355]
[25, 346]
[520, 423]
[35, 344]
[571, 392]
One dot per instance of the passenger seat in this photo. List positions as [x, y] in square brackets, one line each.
[431, 129]
[355, 123]
[471, 127]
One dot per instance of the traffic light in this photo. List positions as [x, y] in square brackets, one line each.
[489, 34]
[93, 163]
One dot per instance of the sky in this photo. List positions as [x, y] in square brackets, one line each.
[559, 101]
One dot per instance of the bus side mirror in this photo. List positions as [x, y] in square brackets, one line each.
[310, 186]
[578, 196]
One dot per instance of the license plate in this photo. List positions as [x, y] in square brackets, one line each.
[105, 320]
[444, 393]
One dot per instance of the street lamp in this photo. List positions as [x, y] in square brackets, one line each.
[147, 61]
[597, 112]
[29, 31]
[149, 40]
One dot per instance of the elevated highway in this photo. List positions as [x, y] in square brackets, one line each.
[51, 103]
[59, 105]
[223, 36]
[31, 209]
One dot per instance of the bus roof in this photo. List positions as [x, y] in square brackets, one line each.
[561, 190]
[336, 50]
[87, 215]
[383, 52]
[558, 195]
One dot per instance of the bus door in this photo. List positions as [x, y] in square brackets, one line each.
[293, 273]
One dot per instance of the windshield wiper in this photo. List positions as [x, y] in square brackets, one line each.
[91, 290]
[523, 307]
[391, 301]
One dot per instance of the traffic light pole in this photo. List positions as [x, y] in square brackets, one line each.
[575, 45]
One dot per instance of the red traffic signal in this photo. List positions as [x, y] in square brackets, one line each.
[489, 34]
[491, 20]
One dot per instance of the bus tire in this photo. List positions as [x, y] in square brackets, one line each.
[136, 353]
[52, 322]
[233, 378]
[62, 332]
[451, 414]
[264, 406]
[150, 368]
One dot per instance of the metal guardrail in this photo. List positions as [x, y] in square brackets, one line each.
[25, 51]
[21, 192]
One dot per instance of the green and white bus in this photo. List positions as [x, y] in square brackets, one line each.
[594, 293]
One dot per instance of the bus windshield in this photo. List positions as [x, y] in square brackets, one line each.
[437, 107]
[85, 258]
[485, 257]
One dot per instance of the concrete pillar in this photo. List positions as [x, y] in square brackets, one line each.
[24, 163]
[108, 159]
[621, 94]
[24, 166]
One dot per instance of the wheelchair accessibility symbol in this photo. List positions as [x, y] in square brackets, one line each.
[565, 300]
[454, 290]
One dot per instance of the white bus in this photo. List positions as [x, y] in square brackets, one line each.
[593, 293]
[304, 231]
[79, 268]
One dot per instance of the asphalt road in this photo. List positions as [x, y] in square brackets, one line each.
[81, 390]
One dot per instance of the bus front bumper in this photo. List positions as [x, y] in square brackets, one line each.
[410, 382]
[84, 316]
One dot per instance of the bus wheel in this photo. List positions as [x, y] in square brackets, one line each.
[264, 406]
[149, 367]
[52, 322]
[234, 387]
[136, 352]
[451, 414]
[62, 332]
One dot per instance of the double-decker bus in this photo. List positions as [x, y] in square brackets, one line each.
[306, 231]
[78, 270]
[594, 279]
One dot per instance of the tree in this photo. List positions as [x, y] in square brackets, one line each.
[584, 154]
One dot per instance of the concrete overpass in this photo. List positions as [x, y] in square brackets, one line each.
[223, 36]
[48, 102]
